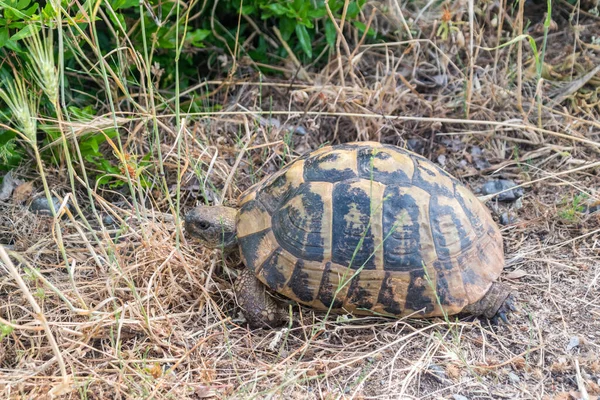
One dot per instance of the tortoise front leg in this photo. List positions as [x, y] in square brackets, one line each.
[259, 307]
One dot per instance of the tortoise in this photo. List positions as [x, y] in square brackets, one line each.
[362, 228]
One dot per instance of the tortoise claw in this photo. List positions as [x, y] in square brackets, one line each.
[501, 316]
[510, 303]
[506, 308]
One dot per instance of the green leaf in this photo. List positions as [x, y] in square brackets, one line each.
[335, 6]
[276, 9]
[168, 40]
[316, 13]
[22, 4]
[361, 27]
[248, 9]
[31, 10]
[48, 11]
[330, 33]
[3, 36]
[94, 145]
[9, 14]
[86, 113]
[5, 330]
[286, 27]
[353, 10]
[304, 39]
[14, 46]
[197, 36]
[117, 4]
[25, 32]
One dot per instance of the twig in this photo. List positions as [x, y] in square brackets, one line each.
[574, 86]
[520, 58]
[580, 382]
[583, 167]
[249, 139]
[594, 144]
[502, 364]
[301, 72]
[38, 313]
[469, 88]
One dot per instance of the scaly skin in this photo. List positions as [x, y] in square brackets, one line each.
[260, 308]
[215, 227]
[496, 303]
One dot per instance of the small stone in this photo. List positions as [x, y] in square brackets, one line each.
[573, 342]
[441, 160]
[453, 144]
[8, 185]
[415, 145]
[459, 397]
[476, 151]
[438, 372]
[300, 130]
[518, 204]
[481, 163]
[108, 219]
[514, 378]
[507, 219]
[40, 205]
[500, 185]
[478, 159]
[269, 122]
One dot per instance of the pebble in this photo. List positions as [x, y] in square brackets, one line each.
[108, 219]
[415, 145]
[453, 144]
[438, 372]
[481, 163]
[441, 160]
[300, 130]
[507, 219]
[478, 159]
[573, 342]
[518, 204]
[499, 185]
[514, 378]
[40, 205]
[269, 122]
[8, 185]
[476, 151]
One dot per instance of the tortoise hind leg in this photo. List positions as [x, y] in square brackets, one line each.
[258, 306]
[507, 306]
[494, 305]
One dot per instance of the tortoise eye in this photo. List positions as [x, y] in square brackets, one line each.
[203, 225]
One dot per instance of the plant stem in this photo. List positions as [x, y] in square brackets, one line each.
[37, 311]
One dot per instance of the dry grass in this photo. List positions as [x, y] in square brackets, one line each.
[141, 313]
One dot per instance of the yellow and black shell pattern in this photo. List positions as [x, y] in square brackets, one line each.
[369, 228]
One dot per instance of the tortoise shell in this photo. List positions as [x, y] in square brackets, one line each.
[369, 228]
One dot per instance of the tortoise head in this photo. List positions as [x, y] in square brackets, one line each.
[214, 226]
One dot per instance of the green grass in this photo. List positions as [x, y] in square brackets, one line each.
[571, 209]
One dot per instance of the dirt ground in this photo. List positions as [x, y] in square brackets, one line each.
[141, 312]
